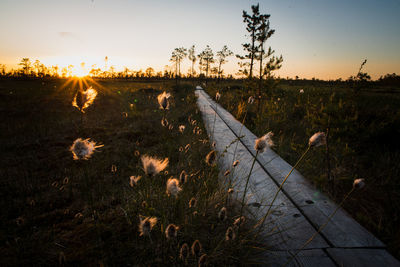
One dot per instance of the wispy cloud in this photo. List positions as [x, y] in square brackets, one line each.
[69, 35]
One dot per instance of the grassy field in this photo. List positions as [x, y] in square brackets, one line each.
[56, 210]
[363, 141]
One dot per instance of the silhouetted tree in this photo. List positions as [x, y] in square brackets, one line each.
[252, 24]
[26, 65]
[206, 58]
[149, 72]
[221, 59]
[177, 55]
[192, 58]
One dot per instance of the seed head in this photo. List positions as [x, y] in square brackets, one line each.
[230, 234]
[153, 166]
[163, 100]
[192, 202]
[173, 187]
[210, 158]
[181, 128]
[83, 99]
[358, 183]
[217, 96]
[196, 248]
[261, 144]
[133, 180]
[301, 91]
[146, 225]
[318, 139]
[251, 100]
[184, 252]
[230, 191]
[171, 231]
[203, 260]
[239, 221]
[83, 149]
[236, 163]
[183, 177]
[222, 214]
[164, 122]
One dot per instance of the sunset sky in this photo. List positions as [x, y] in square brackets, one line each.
[317, 38]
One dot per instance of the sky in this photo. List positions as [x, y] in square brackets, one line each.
[317, 38]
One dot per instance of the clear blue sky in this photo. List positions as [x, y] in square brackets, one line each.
[317, 38]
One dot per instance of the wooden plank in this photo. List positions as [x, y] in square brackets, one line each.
[306, 258]
[287, 229]
[342, 231]
[354, 257]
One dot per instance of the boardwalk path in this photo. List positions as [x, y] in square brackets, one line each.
[298, 210]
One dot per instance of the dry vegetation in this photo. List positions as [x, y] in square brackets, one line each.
[57, 210]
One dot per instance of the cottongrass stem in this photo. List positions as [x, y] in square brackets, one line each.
[316, 140]
[83, 149]
[357, 184]
[153, 166]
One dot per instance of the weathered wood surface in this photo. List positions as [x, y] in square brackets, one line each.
[298, 210]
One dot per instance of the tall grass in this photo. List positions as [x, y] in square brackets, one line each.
[362, 142]
[57, 210]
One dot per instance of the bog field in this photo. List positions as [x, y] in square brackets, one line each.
[362, 126]
[96, 211]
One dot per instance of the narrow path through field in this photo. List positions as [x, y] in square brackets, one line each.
[299, 210]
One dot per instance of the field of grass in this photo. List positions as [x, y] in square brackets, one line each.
[56, 210]
[363, 142]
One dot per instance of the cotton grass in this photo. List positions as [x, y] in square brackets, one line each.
[83, 149]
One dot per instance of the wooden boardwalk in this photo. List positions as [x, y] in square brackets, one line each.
[299, 210]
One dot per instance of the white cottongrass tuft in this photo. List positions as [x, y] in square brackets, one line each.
[83, 99]
[163, 100]
[217, 96]
[196, 248]
[133, 180]
[230, 234]
[358, 183]
[222, 214]
[261, 144]
[318, 139]
[192, 202]
[173, 187]
[183, 177]
[83, 149]
[239, 221]
[171, 231]
[181, 128]
[153, 166]
[210, 158]
[251, 100]
[146, 224]
[184, 252]
[301, 91]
